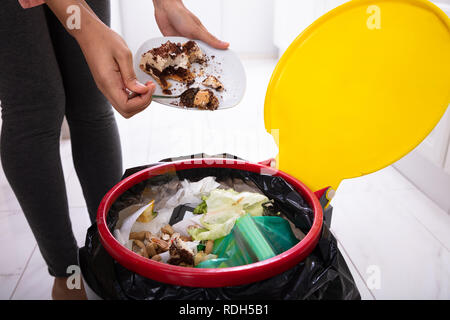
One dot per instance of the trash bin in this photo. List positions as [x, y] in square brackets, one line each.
[312, 269]
[343, 101]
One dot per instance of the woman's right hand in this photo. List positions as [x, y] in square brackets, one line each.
[111, 64]
[108, 57]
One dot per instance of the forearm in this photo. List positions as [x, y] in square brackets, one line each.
[108, 56]
[162, 3]
[78, 22]
[159, 2]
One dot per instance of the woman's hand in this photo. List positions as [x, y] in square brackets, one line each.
[174, 19]
[108, 57]
[111, 64]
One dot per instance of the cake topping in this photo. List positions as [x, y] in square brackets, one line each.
[167, 49]
[195, 54]
[172, 61]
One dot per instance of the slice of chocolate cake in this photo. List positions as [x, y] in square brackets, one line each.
[172, 61]
[200, 99]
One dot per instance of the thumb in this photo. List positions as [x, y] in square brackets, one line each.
[125, 62]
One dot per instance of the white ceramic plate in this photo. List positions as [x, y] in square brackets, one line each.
[225, 65]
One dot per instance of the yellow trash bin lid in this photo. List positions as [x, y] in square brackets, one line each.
[358, 89]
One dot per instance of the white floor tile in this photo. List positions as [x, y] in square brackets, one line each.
[359, 281]
[36, 283]
[428, 213]
[135, 134]
[66, 158]
[80, 223]
[377, 229]
[16, 244]
[74, 192]
[7, 284]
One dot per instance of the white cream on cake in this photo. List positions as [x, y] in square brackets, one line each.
[160, 63]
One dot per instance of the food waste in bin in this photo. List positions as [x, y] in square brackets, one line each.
[205, 224]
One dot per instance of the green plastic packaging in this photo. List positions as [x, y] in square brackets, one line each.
[252, 239]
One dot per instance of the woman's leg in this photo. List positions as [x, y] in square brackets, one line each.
[95, 139]
[32, 100]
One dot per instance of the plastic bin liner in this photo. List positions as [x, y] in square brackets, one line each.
[252, 239]
[322, 275]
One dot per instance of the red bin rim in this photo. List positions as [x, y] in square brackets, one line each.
[207, 278]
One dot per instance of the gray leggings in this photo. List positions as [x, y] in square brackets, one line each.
[44, 77]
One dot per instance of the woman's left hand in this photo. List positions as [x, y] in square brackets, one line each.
[174, 19]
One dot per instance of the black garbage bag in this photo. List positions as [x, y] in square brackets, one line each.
[322, 275]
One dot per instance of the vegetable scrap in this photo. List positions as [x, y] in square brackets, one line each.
[210, 226]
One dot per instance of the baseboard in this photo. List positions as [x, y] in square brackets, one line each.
[431, 179]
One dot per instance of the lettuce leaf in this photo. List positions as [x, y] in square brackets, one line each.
[224, 207]
[201, 208]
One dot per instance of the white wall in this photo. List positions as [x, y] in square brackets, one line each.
[247, 25]
[116, 21]
[291, 17]
[428, 165]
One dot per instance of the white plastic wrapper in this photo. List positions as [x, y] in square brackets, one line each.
[123, 233]
[165, 256]
[188, 193]
[189, 219]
